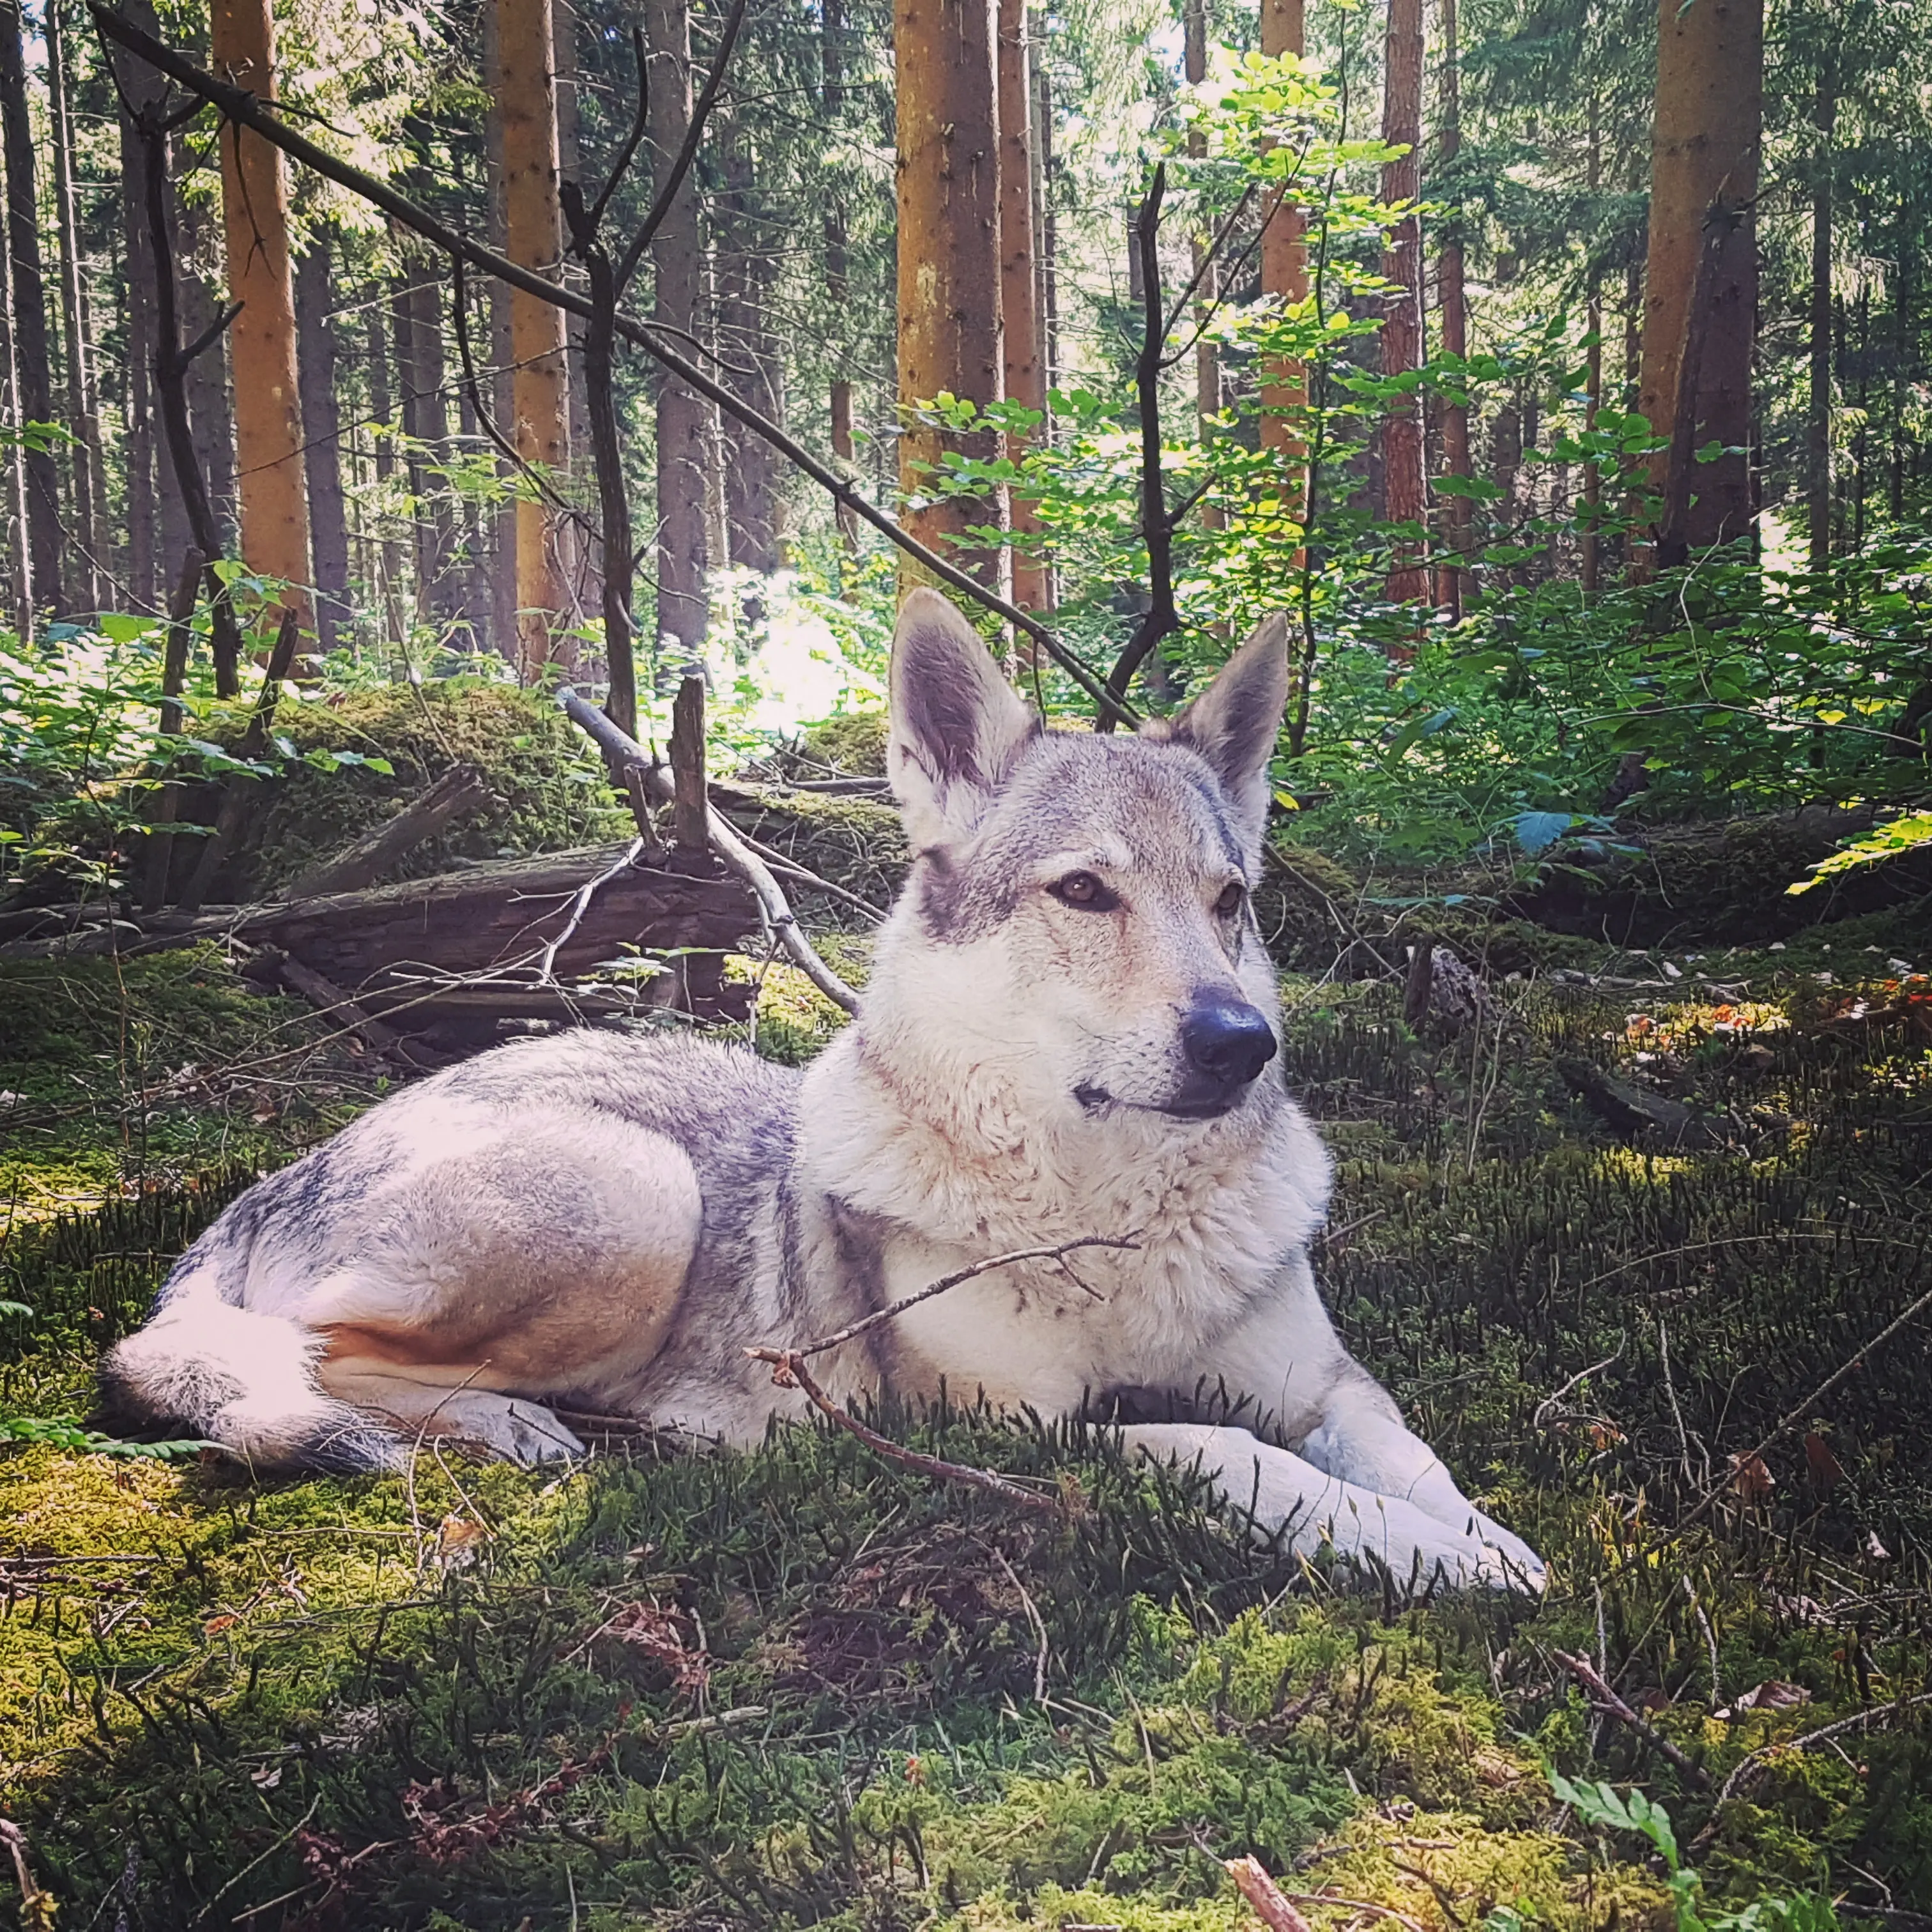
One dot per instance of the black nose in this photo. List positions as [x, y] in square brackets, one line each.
[1227, 1039]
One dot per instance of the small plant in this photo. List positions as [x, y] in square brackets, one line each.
[68, 1433]
[1601, 1804]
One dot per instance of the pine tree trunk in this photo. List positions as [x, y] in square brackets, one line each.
[838, 288]
[497, 389]
[1818, 412]
[1452, 295]
[1046, 223]
[1406, 497]
[683, 548]
[526, 95]
[269, 482]
[321, 442]
[1284, 389]
[383, 408]
[1024, 374]
[1700, 301]
[1505, 469]
[1207, 397]
[744, 277]
[425, 409]
[199, 274]
[945, 54]
[1590, 554]
[83, 421]
[46, 541]
[20, 552]
[148, 481]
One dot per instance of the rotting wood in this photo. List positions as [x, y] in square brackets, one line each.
[457, 794]
[1269, 1903]
[690, 811]
[1629, 1110]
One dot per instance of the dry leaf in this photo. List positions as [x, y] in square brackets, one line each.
[266, 1777]
[1826, 1471]
[1773, 1694]
[459, 1542]
[1751, 1477]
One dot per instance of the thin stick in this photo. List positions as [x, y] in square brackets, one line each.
[1750, 1767]
[579, 906]
[788, 1371]
[1795, 1415]
[853, 1329]
[623, 754]
[1587, 1674]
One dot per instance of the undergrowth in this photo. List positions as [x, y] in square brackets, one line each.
[801, 1687]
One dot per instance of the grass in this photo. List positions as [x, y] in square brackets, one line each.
[802, 1687]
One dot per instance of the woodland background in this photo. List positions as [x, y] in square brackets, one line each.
[415, 418]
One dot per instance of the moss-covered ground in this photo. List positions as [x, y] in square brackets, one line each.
[805, 1686]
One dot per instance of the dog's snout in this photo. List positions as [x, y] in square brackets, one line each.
[1227, 1039]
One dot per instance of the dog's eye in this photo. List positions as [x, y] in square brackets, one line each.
[1229, 903]
[1083, 889]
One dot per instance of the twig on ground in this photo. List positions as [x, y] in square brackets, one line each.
[1039, 1623]
[1271, 1904]
[788, 1371]
[37, 1907]
[1758, 1762]
[1598, 1691]
[1059, 1254]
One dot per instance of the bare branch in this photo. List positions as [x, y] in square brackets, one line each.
[639, 121]
[1605, 1698]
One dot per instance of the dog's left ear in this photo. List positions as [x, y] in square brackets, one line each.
[1234, 722]
[956, 724]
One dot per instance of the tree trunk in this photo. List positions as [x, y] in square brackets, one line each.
[744, 285]
[1404, 497]
[1284, 389]
[526, 95]
[321, 442]
[1046, 224]
[383, 408]
[199, 273]
[946, 58]
[1206, 351]
[502, 542]
[1505, 464]
[20, 560]
[1590, 554]
[270, 485]
[683, 549]
[1024, 374]
[1452, 293]
[1818, 412]
[47, 542]
[83, 420]
[1703, 255]
[425, 409]
[140, 85]
[838, 287]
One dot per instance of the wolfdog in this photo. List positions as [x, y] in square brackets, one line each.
[1071, 1030]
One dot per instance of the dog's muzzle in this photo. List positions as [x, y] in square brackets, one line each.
[1227, 1043]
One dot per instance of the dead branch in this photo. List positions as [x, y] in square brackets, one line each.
[459, 792]
[1285, 1902]
[1606, 1700]
[854, 1329]
[37, 1907]
[1269, 1903]
[788, 1371]
[1758, 1761]
[623, 755]
[332, 1003]
[579, 906]
[242, 108]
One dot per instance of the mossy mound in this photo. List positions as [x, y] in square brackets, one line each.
[851, 745]
[549, 793]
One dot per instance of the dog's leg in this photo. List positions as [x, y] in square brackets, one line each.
[1361, 1441]
[1285, 1491]
[525, 1432]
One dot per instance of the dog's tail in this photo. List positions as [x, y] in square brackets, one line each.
[243, 1381]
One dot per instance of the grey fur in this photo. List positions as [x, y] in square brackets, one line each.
[600, 1223]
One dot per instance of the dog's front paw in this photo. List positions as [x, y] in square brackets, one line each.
[1523, 1568]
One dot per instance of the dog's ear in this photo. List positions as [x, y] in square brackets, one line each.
[1234, 722]
[956, 723]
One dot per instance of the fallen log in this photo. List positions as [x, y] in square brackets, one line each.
[459, 792]
[1631, 1111]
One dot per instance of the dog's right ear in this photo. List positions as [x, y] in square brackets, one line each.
[956, 724]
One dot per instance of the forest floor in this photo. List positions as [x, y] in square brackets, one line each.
[804, 1686]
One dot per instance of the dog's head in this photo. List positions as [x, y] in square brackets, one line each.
[1078, 909]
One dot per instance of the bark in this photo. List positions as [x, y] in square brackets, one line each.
[460, 792]
[570, 167]
[322, 442]
[1284, 252]
[502, 543]
[198, 276]
[1590, 554]
[20, 574]
[421, 370]
[1818, 413]
[744, 287]
[1405, 499]
[383, 408]
[46, 540]
[1206, 351]
[1452, 293]
[838, 287]
[945, 52]
[1046, 226]
[137, 453]
[270, 484]
[683, 548]
[1506, 463]
[526, 95]
[1705, 139]
[83, 420]
[1024, 374]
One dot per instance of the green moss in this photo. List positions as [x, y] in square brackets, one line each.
[853, 744]
[547, 790]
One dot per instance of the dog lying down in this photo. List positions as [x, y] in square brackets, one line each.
[1071, 1030]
